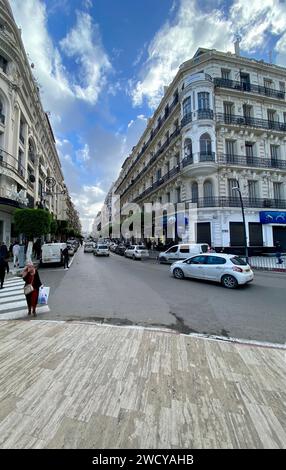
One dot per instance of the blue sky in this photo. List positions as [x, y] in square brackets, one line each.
[102, 66]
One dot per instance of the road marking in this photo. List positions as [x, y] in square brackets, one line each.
[11, 289]
[23, 313]
[10, 299]
[6, 293]
[13, 283]
[12, 305]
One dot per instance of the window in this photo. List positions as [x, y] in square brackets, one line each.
[238, 261]
[249, 151]
[195, 192]
[205, 144]
[230, 150]
[268, 85]
[174, 249]
[282, 87]
[187, 108]
[247, 111]
[197, 260]
[168, 197]
[203, 100]
[274, 154]
[215, 260]
[252, 189]
[225, 74]
[159, 174]
[284, 118]
[184, 249]
[271, 115]
[178, 193]
[188, 148]
[167, 167]
[277, 189]
[3, 64]
[232, 183]
[245, 81]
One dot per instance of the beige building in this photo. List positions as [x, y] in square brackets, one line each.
[30, 169]
[221, 120]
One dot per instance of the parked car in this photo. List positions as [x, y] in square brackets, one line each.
[101, 250]
[73, 243]
[182, 251]
[112, 247]
[229, 270]
[52, 253]
[136, 252]
[88, 247]
[120, 250]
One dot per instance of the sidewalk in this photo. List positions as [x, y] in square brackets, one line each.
[76, 385]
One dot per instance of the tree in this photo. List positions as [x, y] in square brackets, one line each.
[32, 222]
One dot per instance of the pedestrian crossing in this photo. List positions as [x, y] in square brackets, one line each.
[13, 303]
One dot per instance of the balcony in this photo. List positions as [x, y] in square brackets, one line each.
[249, 161]
[189, 160]
[2, 118]
[186, 119]
[12, 164]
[205, 114]
[223, 201]
[251, 122]
[168, 176]
[249, 87]
[207, 157]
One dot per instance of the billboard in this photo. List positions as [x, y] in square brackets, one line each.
[272, 217]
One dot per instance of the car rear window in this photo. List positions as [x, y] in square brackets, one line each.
[141, 247]
[238, 261]
[102, 247]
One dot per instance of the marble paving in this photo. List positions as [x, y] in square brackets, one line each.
[76, 386]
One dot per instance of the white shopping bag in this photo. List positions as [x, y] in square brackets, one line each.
[43, 295]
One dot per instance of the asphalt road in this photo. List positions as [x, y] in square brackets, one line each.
[122, 291]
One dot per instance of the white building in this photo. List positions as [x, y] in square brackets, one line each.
[222, 119]
[28, 155]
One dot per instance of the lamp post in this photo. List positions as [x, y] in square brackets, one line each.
[237, 188]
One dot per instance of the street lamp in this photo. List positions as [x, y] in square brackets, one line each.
[237, 188]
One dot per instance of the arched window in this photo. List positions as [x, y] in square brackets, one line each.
[205, 145]
[208, 192]
[187, 106]
[195, 192]
[188, 151]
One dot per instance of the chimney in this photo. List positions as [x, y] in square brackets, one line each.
[236, 45]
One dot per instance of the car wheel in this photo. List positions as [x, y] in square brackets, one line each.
[162, 260]
[229, 281]
[178, 273]
[134, 257]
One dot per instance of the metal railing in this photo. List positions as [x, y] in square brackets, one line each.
[249, 87]
[224, 201]
[169, 175]
[186, 119]
[205, 114]
[14, 166]
[250, 121]
[245, 160]
[207, 157]
[268, 263]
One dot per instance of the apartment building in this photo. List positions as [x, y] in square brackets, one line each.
[30, 169]
[221, 123]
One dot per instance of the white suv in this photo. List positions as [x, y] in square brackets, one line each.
[101, 250]
[136, 252]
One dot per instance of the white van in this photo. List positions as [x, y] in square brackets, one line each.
[182, 251]
[52, 253]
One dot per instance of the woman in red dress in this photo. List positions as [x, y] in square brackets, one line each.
[31, 277]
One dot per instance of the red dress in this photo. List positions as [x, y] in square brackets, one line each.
[32, 298]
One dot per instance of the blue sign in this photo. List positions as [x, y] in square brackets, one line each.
[272, 217]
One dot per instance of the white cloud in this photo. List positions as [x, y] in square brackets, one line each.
[83, 44]
[207, 26]
[83, 154]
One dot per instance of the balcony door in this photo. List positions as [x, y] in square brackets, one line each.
[249, 152]
[245, 81]
[230, 151]
[274, 154]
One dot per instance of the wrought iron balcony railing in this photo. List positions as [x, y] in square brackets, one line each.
[186, 119]
[205, 114]
[249, 87]
[207, 156]
[245, 160]
[11, 163]
[223, 201]
[250, 121]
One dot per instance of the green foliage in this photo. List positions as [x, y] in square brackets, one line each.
[32, 222]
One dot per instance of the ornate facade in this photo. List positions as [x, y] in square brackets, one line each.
[28, 155]
[221, 122]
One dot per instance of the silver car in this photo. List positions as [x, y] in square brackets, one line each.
[101, 250]
[136, 252]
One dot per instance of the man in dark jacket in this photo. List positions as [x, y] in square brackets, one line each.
[65, 253]
[4, 266]
[278, 248]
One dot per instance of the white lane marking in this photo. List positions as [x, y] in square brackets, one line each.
[11, 289]
[13, 283]
[10, 293]
[12, 305]
[9, 300]
[23, 313]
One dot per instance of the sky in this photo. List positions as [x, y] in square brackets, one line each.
[102, 65]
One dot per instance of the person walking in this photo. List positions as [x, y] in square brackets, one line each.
[3, 251]
[15, 251]
[278, 252]
[31, 288]
[4, 266]
[65, 253]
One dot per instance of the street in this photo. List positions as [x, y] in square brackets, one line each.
[121, 291]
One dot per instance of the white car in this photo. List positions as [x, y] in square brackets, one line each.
[101, 250]
[136, 252]
[182, 251]
[229, 270]
[52, 253]
[88, 247]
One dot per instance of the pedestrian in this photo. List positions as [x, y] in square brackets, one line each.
[278, 252]
[16, 250]
[4, 266]
[211, 250]
[65, 253]
[3, 251]
[32, 286]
